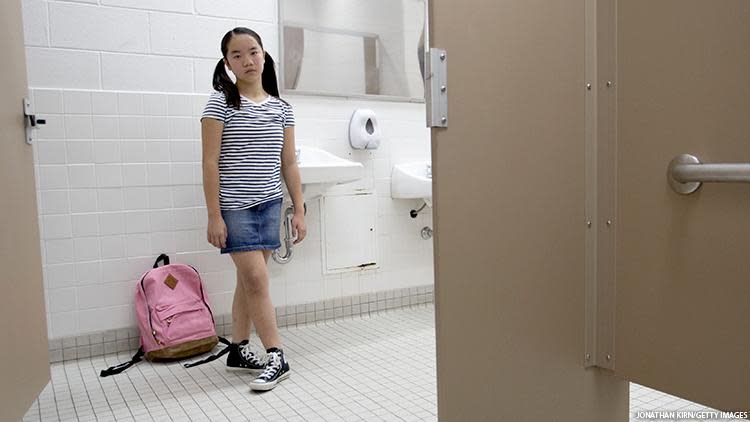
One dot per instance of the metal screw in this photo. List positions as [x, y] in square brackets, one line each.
[588, 356]
[588, 223]
[609, 357]
[609, 83]
[444, 119]
[609, 222]
[442, 56]
[588, 86]
[443, 88]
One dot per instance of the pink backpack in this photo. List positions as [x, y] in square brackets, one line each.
[174, 317]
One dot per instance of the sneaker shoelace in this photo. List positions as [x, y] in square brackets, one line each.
[249, 356]
[272, 367]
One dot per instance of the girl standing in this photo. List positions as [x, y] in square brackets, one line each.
[247, 134]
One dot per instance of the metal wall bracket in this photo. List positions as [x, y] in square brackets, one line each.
[31, 121]
[436, 88]
[601, 183]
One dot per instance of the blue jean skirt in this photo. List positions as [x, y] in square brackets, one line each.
[252, 229]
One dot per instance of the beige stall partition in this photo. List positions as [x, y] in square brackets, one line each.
[509, 192]
[24, 359]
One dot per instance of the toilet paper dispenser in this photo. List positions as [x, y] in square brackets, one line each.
[364, 130]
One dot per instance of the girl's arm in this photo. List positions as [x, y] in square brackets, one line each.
[290, 171]
[211, 131]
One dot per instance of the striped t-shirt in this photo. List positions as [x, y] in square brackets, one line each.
[250, 160]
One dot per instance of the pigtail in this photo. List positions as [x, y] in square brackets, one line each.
[268, 78]
[224, 84]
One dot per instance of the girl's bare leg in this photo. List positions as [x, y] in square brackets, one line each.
[242, 324]
[257, 309]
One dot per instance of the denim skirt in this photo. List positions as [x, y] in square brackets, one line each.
[255, 228]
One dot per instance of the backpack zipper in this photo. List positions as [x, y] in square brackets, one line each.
[202, 296]
[148, 309]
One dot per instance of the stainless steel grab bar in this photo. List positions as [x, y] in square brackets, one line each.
[686, 173]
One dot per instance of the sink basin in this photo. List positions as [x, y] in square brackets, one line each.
[319, 170]
[412, 180]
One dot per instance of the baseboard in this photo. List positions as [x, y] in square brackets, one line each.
[127, 339]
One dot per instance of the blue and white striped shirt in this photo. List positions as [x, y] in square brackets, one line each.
[251, 143]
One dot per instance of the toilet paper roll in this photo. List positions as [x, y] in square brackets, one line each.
[364, 131]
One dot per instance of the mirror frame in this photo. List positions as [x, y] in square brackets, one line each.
[369, 97]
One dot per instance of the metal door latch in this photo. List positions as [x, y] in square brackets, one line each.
[31, 120]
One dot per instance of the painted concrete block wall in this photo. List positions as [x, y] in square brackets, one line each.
[121, 84]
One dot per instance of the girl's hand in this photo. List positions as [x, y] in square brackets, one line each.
[217, 232]
[299, 229]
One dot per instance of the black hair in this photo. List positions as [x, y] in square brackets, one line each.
[223, 83]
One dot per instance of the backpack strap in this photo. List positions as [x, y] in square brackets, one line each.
[123, 366]
[212, 357]
[164, 258]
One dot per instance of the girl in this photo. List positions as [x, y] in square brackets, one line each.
[247, 133]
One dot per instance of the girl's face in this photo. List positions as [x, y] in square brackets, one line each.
[245, 57]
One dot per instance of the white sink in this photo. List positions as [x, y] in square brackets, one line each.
[412, 181]
[319, 170]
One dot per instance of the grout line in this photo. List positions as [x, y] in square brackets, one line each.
[130, 380]
[70, 391]
[85, 387]
[158, 373]
[184, 387]
[106, 398]
[147, 383]
[208, 377]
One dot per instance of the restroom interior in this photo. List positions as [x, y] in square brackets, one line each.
[118, 172]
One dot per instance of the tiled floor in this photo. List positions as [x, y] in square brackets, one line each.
[338, 375]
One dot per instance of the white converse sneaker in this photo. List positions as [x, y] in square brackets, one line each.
[277, 369]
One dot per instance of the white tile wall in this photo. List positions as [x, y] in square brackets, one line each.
[187, 35]
[49, 101]
[132, 72]
[35, 23]
[122, 84]
[47, 67]
[203, 70]
[258, 10]
[91, 27]
[185, 6]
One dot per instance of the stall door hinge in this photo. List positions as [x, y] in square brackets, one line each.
[436, 88]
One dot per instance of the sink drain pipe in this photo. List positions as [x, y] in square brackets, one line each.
[288, 239]
[414, 213]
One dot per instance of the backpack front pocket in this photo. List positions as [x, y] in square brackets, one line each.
[187, 320]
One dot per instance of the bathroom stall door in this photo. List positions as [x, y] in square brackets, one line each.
[510, 219]
[682, 261]
[24, 359]
[508, 190]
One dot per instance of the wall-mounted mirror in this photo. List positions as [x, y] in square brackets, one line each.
[353, 48]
